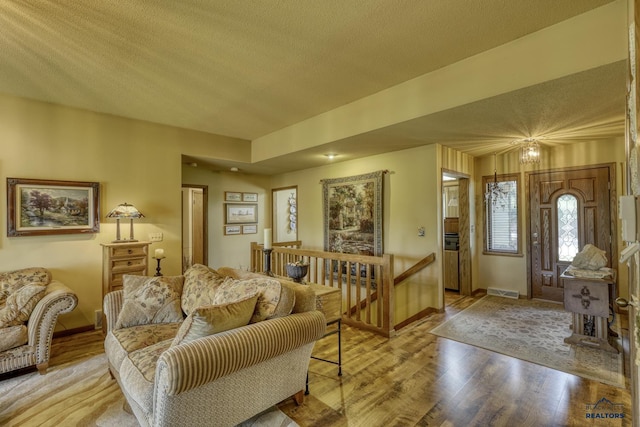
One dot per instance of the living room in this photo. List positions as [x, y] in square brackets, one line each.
[143, 163]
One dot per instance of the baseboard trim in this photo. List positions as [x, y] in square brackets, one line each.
[67, 332]
[420, 315]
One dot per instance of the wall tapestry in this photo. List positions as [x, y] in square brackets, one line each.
[352, 209]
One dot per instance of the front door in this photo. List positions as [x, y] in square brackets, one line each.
[568, 209]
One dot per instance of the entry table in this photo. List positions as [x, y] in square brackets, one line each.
[590, 297]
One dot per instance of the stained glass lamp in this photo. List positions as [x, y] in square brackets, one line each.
[124, 210]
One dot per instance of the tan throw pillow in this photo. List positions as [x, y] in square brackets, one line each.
[213, 319]
[10, 281]
[150, 300]
[200, 284]
[268, 290]
[12, 337]
[20, 304]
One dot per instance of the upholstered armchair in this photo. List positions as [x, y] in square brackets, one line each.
[30, 303]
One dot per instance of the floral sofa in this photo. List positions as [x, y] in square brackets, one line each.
[210, 347]
[30, 303]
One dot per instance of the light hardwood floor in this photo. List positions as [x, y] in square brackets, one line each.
[412, 379]
[419, 379]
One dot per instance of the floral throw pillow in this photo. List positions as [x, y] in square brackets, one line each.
[150, 300]
[213, 319]
[20, 304]
[268, 291]
[10, 281]
[200, 284]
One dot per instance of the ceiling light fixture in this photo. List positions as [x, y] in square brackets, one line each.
[530, 151]
[331, 156]
[497, 192]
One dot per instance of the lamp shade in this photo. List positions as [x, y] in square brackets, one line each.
[125, 210]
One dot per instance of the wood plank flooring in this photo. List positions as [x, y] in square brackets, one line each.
[412, 379]
[419, 379]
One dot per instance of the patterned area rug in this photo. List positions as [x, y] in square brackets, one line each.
[534, 331]
[81, 393]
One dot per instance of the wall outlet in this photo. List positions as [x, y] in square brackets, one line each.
[97, 321]
[155, 237]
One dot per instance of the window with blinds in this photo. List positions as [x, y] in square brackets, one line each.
[501, 231]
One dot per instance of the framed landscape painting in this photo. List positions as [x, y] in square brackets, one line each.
[41, 207]
[241, 213]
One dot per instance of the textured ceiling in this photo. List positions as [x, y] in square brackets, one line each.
[249, 68]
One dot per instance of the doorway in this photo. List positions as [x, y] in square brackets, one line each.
[568, 208]
[194, 225]
[456, 238]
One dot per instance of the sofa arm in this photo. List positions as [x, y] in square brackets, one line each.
[111, 307]
[57, 299]
[190, 365]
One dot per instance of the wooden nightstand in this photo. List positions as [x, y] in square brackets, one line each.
[119, 259]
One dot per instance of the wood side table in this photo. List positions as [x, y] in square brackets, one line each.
[589, 297]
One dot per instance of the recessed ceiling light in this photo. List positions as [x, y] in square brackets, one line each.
[234, 169]
[330, 156]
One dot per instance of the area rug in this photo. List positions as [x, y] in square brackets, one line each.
[81, 393]
[534, 331]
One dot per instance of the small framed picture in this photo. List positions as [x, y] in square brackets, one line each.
[249, 197]
[231, 229]
[232, 196]
[249, 229]
[241, 213]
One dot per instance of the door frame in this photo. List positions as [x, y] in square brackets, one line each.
[464, 231]
[613, 212]
[205, 221]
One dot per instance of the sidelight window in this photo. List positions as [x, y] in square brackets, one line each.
[568, 245]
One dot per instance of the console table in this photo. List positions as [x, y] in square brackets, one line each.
[591, 297]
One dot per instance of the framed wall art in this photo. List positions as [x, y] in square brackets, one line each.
[241, 213]
[231, 229]
[353, 214]
[249, 229]
[249, 197]
[42, 207]
[232, 196]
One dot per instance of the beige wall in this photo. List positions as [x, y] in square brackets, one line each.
[230, 250]
[135, 162]
[511, 272]
[411, 200]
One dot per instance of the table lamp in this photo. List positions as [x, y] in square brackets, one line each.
[124, 210]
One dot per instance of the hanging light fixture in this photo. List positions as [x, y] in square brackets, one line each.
[497, 192]
[530, 151]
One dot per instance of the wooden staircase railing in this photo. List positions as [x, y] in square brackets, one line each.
[359, 277]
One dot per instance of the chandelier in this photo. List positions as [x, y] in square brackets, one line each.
[497, 192]
[530, 151]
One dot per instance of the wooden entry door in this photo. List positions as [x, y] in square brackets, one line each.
[568, 209]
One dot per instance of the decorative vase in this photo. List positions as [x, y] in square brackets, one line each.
[297, 272]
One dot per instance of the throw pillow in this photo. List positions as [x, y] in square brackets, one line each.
[200, 284]
[12, 280]
[150, 300]
[209, 320]
[268, 290]
[12, 337]
[20, 304]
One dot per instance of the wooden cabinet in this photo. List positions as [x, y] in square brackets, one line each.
[119, 259]
[451, 270]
